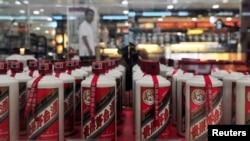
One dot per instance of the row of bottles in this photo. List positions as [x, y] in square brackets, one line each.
[52, 97]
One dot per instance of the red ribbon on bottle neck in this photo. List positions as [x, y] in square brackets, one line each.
[156, 98]
[32, 96]
[209, 95]
[93, 86]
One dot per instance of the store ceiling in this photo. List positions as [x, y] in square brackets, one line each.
[115, 6]
[52, 7]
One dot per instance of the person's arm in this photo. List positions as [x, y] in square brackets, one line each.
[85, 41]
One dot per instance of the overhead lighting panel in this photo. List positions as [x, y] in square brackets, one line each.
[215, 6]
[125, 2]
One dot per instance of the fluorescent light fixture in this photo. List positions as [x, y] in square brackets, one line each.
[125, 2]
[36, 12]
[72, 17]
[183, 13]
[46, 31]
[22, 11]
[170, 7]
[151, 14]
[216, 6]
[17, 2]
[115, 17]
[13, 17]
[57, 17]
[37, 28]
[49, 19]
[125, 12]
[131, 14]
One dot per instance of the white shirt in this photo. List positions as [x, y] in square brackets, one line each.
[86, 30]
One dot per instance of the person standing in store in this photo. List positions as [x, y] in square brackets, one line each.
[87, 37]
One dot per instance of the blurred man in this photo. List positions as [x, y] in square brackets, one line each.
[87, 37]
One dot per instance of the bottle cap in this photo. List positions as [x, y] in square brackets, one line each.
[16, 67]
[3, 67]
[59, 66]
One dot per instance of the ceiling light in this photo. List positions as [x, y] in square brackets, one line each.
[225, 1]
[125, 12]
[22, 11]
[41, 10]
[194, 19]
[125, 2]
[46, 31]
[216, 6]
[175, 1]
[15, 24]
[26, 2]
[49, 19]
[160, 19]
[36, 12]
[170, 7]
[17, 2]
[37, 28]
[228, 19]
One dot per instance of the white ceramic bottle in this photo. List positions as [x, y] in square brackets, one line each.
[22, 78]
[45, 105]
[69, 96]
[9, 114]
[98, 105]
[152, 105]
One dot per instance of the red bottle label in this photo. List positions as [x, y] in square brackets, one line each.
[43, 124]
[103, 126]
[4, 113]
[149, 129]
[199, 118]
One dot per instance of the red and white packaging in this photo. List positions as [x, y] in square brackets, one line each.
[9, 115]
[203, 106]
[22, 78]
[152, 111]
[180, 103]
[45, 105]
[112, 72]
[69, 96]
[174, 93]
[98, 105]
[122, 69]
[242, 112]
[169, 76]
[137, 75]
[229, 98]
[79, 76]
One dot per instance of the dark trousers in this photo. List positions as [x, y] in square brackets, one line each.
[87, 58]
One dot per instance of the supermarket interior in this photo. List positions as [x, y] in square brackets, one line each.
[121, 70]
